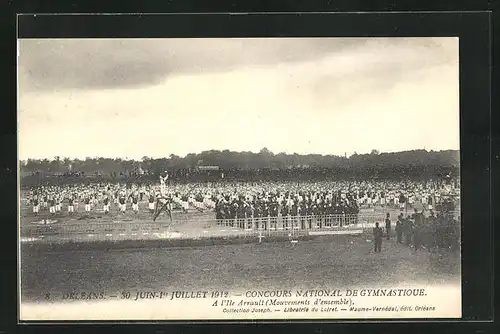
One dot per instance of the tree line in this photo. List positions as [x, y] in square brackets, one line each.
[416, 163]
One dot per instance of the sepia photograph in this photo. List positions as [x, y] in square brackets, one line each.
[239, 178]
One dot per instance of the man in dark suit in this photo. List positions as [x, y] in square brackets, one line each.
[399, 229]
[388, 226]
[417, 229]
[377, 236]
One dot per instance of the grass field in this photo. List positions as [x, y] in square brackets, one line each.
[339, 261]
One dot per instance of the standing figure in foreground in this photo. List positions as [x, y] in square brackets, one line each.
[388, 226]
[377, 236]
[399, 229]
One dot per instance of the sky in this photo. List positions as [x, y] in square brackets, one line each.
[131, 98]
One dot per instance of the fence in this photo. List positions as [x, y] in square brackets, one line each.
[297, 222]
[238, 227]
